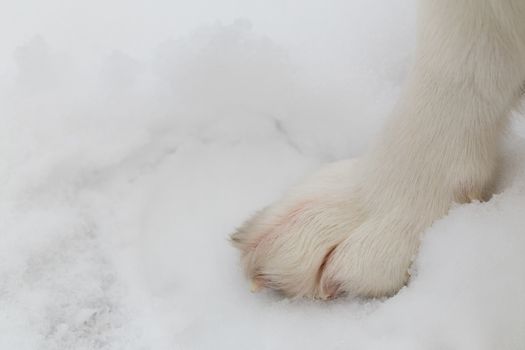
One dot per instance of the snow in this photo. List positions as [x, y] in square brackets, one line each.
[137, 135]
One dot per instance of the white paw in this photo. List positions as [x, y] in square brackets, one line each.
[334, 234]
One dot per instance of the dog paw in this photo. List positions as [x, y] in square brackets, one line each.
[322, 239]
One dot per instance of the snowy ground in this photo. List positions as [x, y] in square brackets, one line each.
[137, 135]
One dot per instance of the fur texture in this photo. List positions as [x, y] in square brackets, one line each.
[354, 227]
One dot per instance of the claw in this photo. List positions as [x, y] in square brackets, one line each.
[256, 285]
[331, 291]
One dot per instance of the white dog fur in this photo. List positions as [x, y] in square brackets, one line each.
[354, 227]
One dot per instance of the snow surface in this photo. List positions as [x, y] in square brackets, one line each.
[136, 135]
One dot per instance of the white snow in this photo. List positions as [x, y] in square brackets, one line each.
[136, 135]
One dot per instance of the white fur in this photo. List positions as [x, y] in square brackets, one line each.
[354, 227]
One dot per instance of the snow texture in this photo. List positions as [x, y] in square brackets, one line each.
[137, 135]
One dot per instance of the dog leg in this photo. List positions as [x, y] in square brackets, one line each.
[354, 227]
